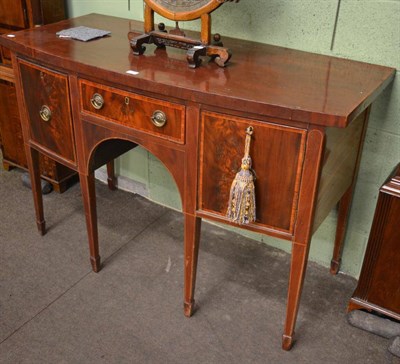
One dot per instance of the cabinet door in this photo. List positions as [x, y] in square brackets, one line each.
[378, 287]
[52, 11]
[13, 14]
[10, 128]
[46, 96]
[277, 153]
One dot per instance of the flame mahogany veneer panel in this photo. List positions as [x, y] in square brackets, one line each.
[277, 153]
[18, 14]
[134, 110]
[44, 87]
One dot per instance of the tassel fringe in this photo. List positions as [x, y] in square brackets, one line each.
[242, 199]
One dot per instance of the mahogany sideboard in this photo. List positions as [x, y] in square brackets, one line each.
[378, 288]
[16, 15]
[84, 103]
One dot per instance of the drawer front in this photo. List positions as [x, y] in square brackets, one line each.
[277, 154]
[46, 96]
[134, 111]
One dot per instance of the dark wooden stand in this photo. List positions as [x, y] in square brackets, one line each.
[306, 157]
[194, 48]
[177, 39]
[378, 288]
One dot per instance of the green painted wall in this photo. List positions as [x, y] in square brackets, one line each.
[367, 30]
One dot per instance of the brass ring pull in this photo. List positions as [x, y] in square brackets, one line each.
[97, 101]
[45, 113]
[159, 119]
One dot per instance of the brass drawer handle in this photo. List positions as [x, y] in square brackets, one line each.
[159, 119]
[97, 101]
[45, 113]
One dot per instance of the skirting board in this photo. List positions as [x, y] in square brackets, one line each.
[124, 183]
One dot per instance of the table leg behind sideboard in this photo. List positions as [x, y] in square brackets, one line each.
[111, 179]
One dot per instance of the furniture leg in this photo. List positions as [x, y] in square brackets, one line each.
[345, 204]
[343, 217]
[89, 203]
[111, 180]
[7, 166]
[192, 238]
[59, 187]
[297, 273]
[32, 157]
[303, 230]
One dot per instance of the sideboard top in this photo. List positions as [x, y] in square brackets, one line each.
[264, 79]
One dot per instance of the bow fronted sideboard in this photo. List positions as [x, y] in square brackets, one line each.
[85, 103]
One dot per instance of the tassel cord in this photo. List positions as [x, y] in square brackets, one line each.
[249, 132]
[242, 204]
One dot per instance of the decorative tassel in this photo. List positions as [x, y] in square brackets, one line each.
[242, 198]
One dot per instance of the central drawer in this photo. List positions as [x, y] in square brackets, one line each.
[160, 118]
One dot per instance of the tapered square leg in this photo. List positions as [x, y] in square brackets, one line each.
[343, 217]
[345, 205]
[297, 273]
[192, 237]
[32, 157]
[89, 203]
[303, 230]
